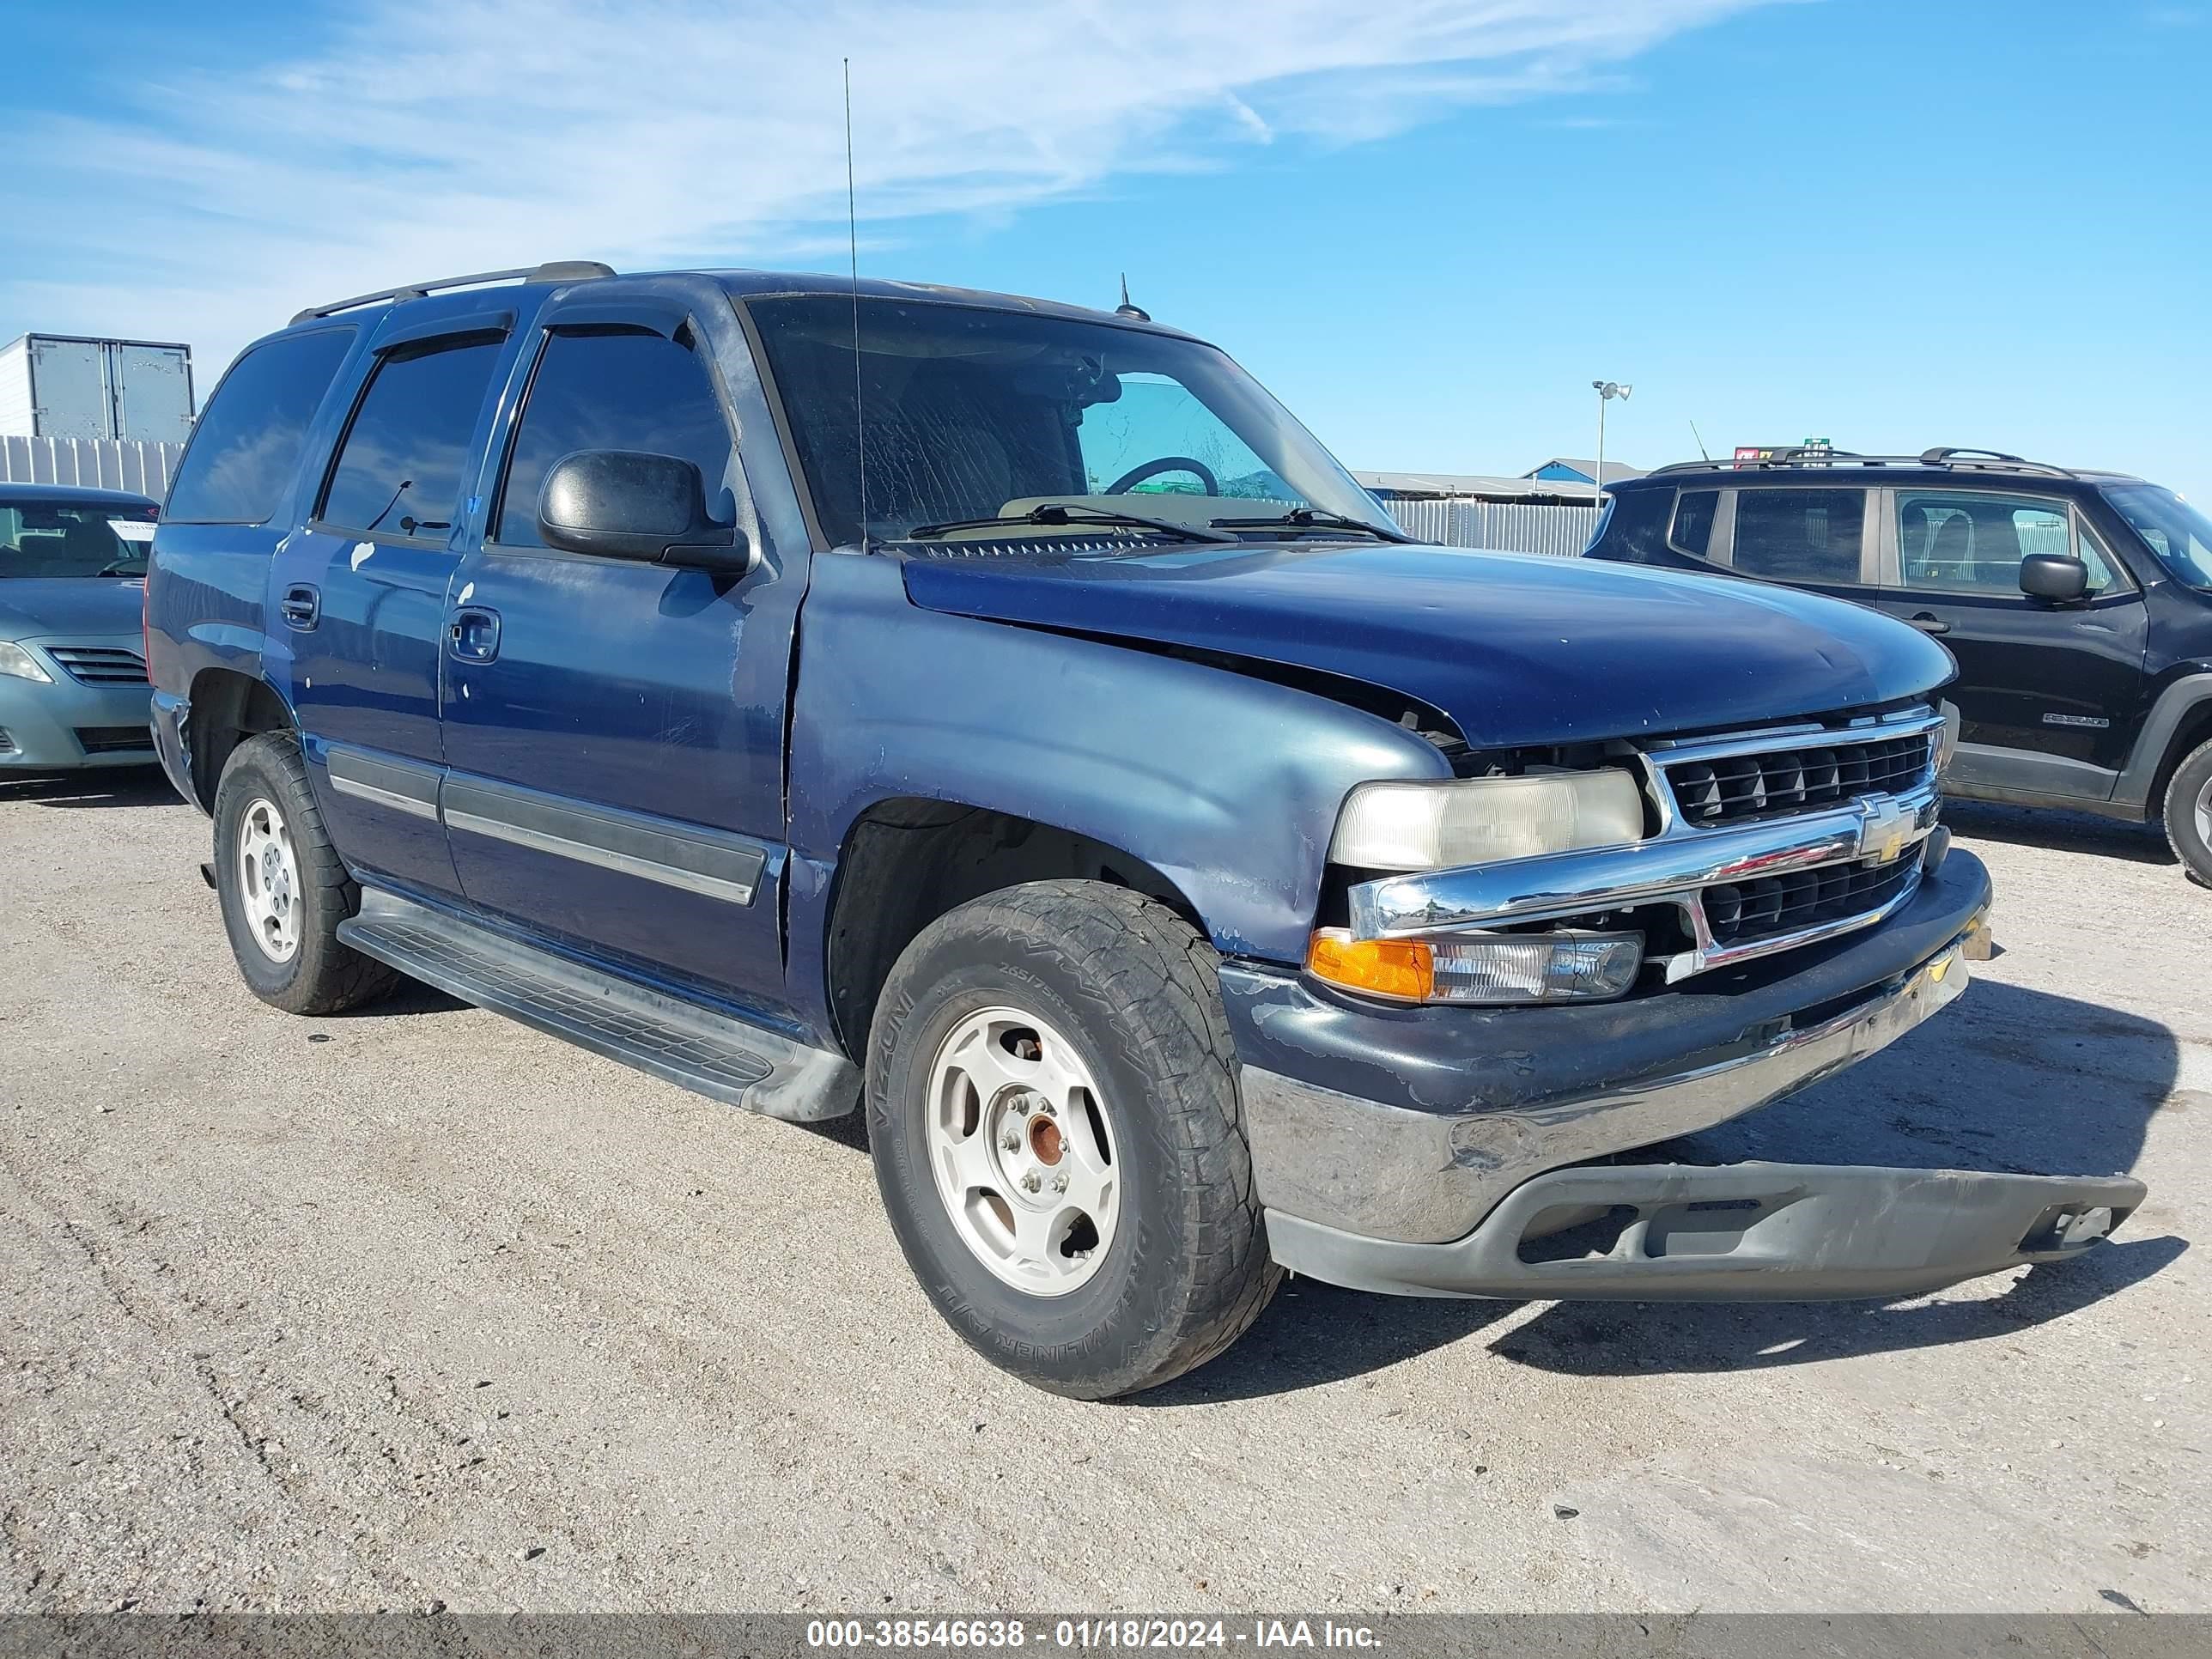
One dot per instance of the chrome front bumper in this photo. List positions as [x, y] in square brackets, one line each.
[1366, 1167]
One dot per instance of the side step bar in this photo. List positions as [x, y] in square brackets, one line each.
[697, 1048]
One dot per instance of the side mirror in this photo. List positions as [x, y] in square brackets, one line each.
[2059, 578]
[624, 504]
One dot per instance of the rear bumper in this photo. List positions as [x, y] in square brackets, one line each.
[170, 712]
[1744, 1232]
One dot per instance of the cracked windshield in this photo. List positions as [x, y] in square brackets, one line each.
[981, 424]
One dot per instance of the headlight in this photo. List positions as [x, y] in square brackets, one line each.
[1480, 968]
[20, 663]
[1434, 826]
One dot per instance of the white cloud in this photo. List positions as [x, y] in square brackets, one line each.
[429, 136]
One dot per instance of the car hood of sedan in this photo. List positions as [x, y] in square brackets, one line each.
[33, 607]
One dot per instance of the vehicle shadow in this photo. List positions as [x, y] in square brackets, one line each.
[2007, 1079]
[122, 785]
[2066, 832]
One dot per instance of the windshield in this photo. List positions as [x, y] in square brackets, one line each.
[974, 413]
[2179, 533]
[58, 539]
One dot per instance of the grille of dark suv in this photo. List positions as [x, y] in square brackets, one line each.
[1741, 912]
[101, 664]
[1737, 787]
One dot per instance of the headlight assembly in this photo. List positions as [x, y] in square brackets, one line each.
[1437, 826]
[21, 664]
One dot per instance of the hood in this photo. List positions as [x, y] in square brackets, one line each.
[33, 607]
[1517, 648]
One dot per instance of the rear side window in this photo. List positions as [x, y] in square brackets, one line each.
[608, 389]
[246, 445]
[1631, 524]
[400, 463]
[1801, 534]
[1693, 521]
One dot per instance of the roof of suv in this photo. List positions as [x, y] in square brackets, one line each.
[1816, 468]
[741, 284]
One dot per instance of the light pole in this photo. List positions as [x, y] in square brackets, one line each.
[1607, 391]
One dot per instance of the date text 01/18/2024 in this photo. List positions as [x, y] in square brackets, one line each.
[1124, 1633]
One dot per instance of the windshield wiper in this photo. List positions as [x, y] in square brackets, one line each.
[1052, 513]
[1313, 517]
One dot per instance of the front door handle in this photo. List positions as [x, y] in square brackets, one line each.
[301, 606]
[1928, 622]
[475, 634]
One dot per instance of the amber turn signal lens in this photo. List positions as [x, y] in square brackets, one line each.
[1381, 966]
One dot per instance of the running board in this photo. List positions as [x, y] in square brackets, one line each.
[712, 1053]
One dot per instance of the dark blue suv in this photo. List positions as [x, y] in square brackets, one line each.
[1006, 716]
[2078, 606]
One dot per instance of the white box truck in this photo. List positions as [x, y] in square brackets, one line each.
[65, 385]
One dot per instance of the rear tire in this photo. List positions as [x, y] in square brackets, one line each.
[283, 887]
[1070, 1031]
[2188, 813]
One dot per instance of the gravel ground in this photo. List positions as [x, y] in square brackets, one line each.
[418, 1306]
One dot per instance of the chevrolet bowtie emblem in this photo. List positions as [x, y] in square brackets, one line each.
[1882, 831]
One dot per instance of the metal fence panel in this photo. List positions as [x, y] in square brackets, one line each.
[132, 464]
[1506, 527]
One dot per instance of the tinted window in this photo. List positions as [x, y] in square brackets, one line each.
[1631, 524]
[400, 466]
[1969, 542]
[1157, 419]
[245, 449]
[1693, 520]
[615, 390]
[1800, 535]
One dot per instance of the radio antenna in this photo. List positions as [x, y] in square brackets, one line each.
[1701, 442]
[853, 247]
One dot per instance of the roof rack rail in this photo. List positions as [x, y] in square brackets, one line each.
[1798, 457]
[553, 270]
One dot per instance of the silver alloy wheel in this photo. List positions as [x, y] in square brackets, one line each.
[268, 880]
[1022, 1145]
[2203, 813]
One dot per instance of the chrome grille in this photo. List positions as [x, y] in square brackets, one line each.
[1735, 788]
[99, 664]
[1771, 907]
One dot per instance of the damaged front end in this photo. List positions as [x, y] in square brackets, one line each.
[1803, 909]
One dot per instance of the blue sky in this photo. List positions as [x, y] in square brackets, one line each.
[1427, 226]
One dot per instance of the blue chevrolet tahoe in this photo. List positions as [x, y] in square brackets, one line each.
[1003, 718]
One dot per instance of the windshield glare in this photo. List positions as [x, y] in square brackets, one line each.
[977, 413]
[2181, 535]
[56, 538]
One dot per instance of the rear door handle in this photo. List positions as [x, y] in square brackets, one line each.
[301, 606]
[1928, 622]
[475, 634]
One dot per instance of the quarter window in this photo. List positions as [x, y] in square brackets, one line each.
[1800, 535]
[1969, 542]
[615, 389]
[1693, 521]
[400, 467]
[246, 445]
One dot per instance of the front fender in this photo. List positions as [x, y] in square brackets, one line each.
[2177, 700]
[1229, 787]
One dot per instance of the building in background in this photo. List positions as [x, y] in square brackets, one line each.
[70, 386]
[1564, 469]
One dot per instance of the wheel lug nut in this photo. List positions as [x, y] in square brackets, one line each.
[1011, 1140]
[1030, 1181]
[1059, 1181]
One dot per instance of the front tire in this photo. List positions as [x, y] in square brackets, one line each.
[283, 887]
[2188, 813]
[1054, 1121]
